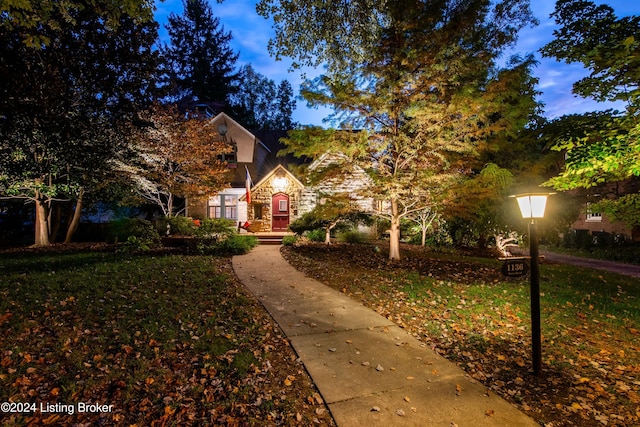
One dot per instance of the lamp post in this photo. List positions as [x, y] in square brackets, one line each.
[532, 207]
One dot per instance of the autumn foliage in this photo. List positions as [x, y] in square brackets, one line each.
[465, 310]
[177, 155]
[164, 340]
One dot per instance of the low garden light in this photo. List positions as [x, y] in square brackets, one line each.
[532, 206]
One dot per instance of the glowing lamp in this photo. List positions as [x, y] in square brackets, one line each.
[532, 205]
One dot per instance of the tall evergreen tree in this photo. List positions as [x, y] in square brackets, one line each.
[418, 76]
[285, 105]
[260, 104]
[198, 64]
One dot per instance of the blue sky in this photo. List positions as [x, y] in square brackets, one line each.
[251, 34]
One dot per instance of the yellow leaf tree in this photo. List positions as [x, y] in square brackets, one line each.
[177, 155]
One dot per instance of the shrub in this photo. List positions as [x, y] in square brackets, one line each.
[353, 236]
[316, 235]
[289, 240]
[182, 226]
[134, 244]
[217, 227]
[232, 245]
[627, 253]
[121, 229]
[580, 239]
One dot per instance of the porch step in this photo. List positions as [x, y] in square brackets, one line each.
[271, 239]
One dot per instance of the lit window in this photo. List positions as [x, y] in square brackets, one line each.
[593, 216]
[223, 206]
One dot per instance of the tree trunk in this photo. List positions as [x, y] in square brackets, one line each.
[482, 242]
[327, 233]
[41, 226]
[55, 220]
[75, 221]
[424, 236]
[170, 205]
[394, 232]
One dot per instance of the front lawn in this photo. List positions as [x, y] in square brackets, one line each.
[153, 340]
[464, 309]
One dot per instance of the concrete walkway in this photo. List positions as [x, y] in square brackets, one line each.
[369, 371]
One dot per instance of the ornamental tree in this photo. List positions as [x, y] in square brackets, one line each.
[418, 80]
[176, 155]
[331, 211]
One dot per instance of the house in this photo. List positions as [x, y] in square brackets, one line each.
[264, 195]
[597, 224]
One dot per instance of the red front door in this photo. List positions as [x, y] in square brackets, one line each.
[280, 212]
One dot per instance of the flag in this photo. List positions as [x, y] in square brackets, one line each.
[248, 184]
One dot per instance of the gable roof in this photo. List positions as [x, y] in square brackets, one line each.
[327, 159]
[278, 170]
[245, 141]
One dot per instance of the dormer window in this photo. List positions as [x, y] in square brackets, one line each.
[231, 158]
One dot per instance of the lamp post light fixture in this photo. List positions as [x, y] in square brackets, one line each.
[532, 206]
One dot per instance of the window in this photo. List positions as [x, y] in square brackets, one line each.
[593, 216]
[230, 158]
[257, 211]
[223, 206]
[282, 207]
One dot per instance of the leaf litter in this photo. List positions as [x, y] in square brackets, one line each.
[164, 339]
[463, 309]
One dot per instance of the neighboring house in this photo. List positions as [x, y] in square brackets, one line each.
[277, 197]
[594, 222]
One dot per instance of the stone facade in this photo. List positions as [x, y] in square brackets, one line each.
[260, 210]
[352, 183]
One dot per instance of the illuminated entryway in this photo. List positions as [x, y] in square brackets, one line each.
[279, 212]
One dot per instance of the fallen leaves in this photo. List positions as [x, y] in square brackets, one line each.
[167, 340]
[481, 322]
[288, 382]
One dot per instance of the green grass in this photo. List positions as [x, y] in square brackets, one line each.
[468, 312]
[571, 297]
[167, 339]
